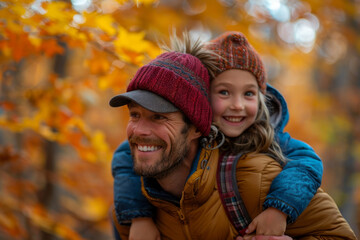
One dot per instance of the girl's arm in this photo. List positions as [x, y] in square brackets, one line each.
[128, 199]
[292, 190]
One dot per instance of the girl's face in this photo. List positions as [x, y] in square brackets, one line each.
[234, 101]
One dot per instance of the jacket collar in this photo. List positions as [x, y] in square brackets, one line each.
[279, 114]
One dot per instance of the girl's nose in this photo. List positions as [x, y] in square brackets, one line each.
[237, 104]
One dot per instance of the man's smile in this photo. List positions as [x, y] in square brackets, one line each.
[148, 148]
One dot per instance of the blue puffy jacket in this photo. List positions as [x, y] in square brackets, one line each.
[290, 192]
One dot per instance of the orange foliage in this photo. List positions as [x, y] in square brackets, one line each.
[59, 67]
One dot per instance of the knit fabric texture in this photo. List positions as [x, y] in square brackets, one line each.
[182, 80]
[236, 53]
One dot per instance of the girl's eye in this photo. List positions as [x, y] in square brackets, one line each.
[224, 92]
[249, 94]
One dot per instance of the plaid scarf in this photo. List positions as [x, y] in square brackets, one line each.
[229, 193]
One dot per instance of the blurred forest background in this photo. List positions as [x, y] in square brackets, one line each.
[61, 62]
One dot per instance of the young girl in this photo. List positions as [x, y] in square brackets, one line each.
[238, 101]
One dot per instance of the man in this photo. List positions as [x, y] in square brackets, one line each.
[169, 111]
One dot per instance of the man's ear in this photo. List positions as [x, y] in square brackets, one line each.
[194, 133]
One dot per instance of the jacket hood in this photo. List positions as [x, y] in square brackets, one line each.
[279, 113]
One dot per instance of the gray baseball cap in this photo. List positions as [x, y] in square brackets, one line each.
[146, 99]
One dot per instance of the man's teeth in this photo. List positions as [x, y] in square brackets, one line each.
[147, 148]
[234, 119]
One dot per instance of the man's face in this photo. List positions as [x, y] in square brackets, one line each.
[159, 141]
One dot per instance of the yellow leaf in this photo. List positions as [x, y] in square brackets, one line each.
[59, 11]
[131, 46]
[91, 208]
[131, 41]
[74, 42]
[99, 143]
[76, 34]
[153, 51]
[5, 49]
[30, 123]
[94, 208]
[47, 133]
[15, 27]
[18, 9]
[117, 80]
[104, 22]
[87, 154]
[35, 41]
[55, 28]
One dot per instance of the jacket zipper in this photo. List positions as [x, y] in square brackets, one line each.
[185, 224]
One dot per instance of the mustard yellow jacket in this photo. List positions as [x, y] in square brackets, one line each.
[201, 215]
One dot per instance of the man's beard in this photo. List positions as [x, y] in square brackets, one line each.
[167, 163]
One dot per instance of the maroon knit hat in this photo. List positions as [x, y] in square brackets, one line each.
[237, 53]
[179, 81]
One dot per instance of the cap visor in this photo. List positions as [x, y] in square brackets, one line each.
[146, 99]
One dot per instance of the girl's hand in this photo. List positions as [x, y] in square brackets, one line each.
[143, 228]
[271, 222]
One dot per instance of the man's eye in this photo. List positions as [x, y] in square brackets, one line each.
[134, 115]
[224, 92]
[159, 117]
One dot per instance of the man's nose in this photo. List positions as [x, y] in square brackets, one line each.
[142, 128]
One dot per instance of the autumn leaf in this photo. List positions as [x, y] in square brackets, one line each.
[90, 208]
[99, 63]
[17, 9]
[104, 22]
[98, 142]
[14, 27]
[116, 79]
[131, 46]
[19, 45]
[58, 11]
[95, 208]
[51, 47]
